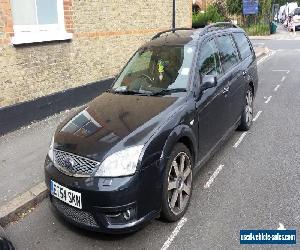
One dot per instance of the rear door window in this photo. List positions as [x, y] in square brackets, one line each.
[228, 52]
[243, 45]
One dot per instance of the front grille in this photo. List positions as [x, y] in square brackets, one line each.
[74, 164]
[74, 214]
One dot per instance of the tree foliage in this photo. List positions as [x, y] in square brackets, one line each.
[211, 15]
[221, 7]
[234, 7]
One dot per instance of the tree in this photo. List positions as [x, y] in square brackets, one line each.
[265, 8]
[234, 7]
[221, 7]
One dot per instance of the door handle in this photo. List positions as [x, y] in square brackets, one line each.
[225, 90]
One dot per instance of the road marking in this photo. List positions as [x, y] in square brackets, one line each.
[257, 115]
[281, 227]
[268, 100]
[276, 88]
[281, 70]
[240, 140]
[283, 79]
[174, 233]
[213, 177]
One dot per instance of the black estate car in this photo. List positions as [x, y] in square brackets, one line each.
[130, 155]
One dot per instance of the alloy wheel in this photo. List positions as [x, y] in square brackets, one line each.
[249, 107]
[179, 183]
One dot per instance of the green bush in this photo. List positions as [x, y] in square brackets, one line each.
[210, 16]
[213, 14]
[199, 20]
[257, 30]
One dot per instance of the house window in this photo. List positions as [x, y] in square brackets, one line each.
[38, 21]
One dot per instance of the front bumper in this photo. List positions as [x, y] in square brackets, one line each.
[105, 201]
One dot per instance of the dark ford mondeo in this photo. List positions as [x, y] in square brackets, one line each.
[131, 154]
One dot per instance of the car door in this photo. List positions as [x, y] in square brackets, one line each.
[246, 71]
[234, 80]
[210, 104]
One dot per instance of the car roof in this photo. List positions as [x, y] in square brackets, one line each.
[188, 37]
[180, 37]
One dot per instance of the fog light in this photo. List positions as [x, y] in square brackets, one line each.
[127, 215]
[121, 217]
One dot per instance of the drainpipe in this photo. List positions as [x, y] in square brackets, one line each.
[174, 16]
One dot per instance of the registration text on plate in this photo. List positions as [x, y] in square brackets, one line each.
[66, 195]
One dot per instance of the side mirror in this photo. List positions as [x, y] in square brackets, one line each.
[208, 81]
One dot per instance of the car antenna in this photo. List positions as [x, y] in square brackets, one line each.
[174, 17]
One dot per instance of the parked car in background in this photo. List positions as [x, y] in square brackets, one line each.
[294, 19]
[289, 8]
[281, 14]
[130, 155]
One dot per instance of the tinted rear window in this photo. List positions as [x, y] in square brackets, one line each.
[228, 53]
[243, 45]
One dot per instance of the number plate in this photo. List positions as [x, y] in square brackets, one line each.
[66, 195]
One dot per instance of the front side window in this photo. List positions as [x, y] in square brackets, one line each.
[33, 19]
[243, 45]
[156, 68]
[228, 52]
[209, 61]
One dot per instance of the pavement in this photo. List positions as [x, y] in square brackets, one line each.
[281, 34]
[22, 155]
[257, 187]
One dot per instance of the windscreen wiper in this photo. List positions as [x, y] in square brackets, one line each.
[129, 92]
[168, 91]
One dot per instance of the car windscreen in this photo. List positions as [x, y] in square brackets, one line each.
[156, 69]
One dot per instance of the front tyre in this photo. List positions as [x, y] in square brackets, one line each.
[247, 115]
[178, 183]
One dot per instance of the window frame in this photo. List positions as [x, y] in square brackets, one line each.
[42, 32]
[237, 46]
[236, 50]
[206, 41]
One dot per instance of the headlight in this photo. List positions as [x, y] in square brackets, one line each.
[50, 152]
[122, 163]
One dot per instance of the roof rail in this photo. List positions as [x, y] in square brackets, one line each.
[219, 25]
[167, 31]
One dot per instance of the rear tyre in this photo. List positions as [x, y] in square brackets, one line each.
[247, 115]
[178, 183]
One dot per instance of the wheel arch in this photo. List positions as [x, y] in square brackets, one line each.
[181, 134]
[185, 140]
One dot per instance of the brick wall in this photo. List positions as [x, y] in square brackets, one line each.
[106, 33]
[6, 24]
